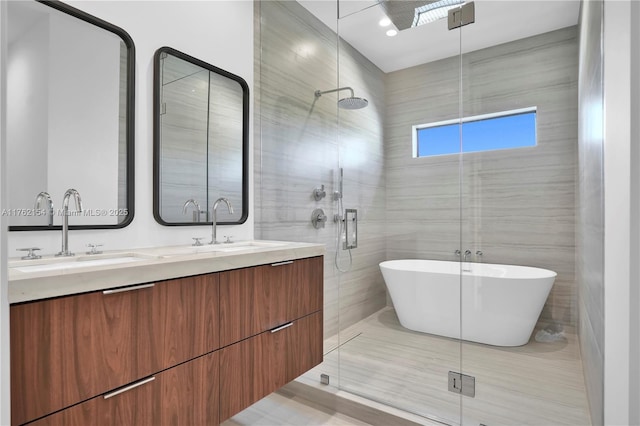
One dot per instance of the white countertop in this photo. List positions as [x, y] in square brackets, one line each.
[54, 276]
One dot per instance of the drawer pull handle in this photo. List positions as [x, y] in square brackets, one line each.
[121, 290]
[282, 327]
[128, 388]
[288, 262]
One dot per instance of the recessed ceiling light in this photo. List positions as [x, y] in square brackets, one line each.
[385, 22]
[392, 33]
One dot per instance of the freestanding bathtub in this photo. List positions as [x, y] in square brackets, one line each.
[497, 304]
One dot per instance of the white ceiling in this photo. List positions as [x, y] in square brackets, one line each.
[496, 22]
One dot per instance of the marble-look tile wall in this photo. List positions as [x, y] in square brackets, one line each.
[301, 143]
[590, 226]
[516, 206]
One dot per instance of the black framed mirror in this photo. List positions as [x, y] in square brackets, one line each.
[201, 140]
[70, 117]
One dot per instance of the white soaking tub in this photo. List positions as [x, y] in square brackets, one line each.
[500, 304]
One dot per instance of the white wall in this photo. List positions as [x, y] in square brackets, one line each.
[5, 400]
[617, 240]
[217, 32]
[634, 347]
[589, 206]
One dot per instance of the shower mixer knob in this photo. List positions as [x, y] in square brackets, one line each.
[318, 218]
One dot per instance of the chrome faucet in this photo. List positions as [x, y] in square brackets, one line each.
[65, 219]
[467, 253]
[197, 210]
[214, 218]
[44, 196]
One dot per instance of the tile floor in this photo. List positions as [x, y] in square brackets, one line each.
[534, 384]
[280, 410]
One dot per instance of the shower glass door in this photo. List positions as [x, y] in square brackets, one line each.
[519, 154]
[408, 204]
[296, 144]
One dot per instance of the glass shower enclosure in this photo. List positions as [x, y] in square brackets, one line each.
[465, 156]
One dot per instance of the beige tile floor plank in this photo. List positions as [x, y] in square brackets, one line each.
[280, 410]
[535, 384]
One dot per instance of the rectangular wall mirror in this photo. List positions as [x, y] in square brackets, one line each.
[201, 119]
[70, 117]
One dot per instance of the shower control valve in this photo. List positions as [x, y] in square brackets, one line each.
[318, 218]
[319, 193]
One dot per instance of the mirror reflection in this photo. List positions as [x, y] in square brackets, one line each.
[69, 117]
[201, 119]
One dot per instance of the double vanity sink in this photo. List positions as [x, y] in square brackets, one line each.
[92, 260]
[162, 335]
[52, 276]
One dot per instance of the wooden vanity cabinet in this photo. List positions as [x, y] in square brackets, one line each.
[72, 348]
[182, 395]
[274, 312]
[255, 367]
[253, 300]
[194, 350]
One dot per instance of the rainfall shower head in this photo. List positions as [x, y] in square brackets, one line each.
[352, 102]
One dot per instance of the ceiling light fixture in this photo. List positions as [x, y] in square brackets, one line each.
[392, 33]
[385, 22]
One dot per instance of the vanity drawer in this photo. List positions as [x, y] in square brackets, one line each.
[255, 367]
[260, 298]
[73, 348]
[182, 395]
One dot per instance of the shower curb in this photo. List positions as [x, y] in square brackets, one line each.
[326, 397]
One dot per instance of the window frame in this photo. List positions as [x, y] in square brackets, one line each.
[417, 127]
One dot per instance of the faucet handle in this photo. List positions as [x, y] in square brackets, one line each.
[227, 240]
[457, 253]
[197, 241]
[93, 248]
[31, 254]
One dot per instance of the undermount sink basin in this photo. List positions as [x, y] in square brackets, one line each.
[88, 261]
[226, 248]
[244, 245]
[77, 262]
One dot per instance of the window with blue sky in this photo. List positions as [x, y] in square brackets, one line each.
[504, 130]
